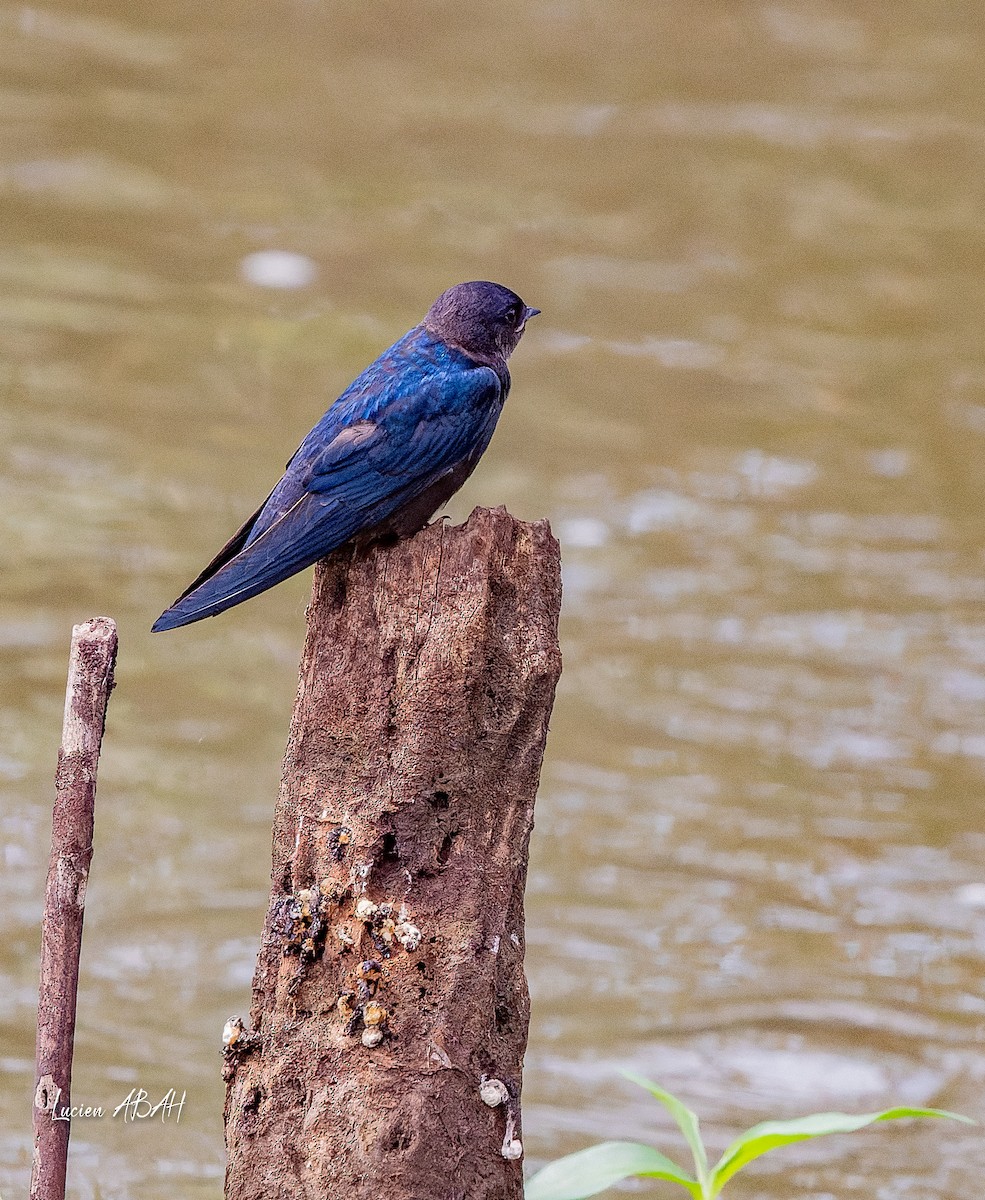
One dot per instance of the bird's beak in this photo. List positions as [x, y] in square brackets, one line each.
[530, 312]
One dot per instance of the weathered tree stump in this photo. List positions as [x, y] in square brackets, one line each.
[390, 1007]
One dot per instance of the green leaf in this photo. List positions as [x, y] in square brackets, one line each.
[591, 1171]
[686, 1120]
[770, 1134]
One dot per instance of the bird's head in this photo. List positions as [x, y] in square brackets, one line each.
[483, 319]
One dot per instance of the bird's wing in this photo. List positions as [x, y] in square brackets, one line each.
[365, 471]
[282, 498]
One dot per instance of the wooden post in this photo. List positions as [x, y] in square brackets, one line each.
[90, 681]
[390, 1007]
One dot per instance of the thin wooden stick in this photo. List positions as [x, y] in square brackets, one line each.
[90, 680]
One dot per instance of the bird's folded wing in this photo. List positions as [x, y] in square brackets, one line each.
[365, 472]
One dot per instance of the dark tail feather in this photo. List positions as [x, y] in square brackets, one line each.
[288, 546]
[225, 555]
[239, 580]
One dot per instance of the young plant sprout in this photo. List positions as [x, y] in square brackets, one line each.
[591, 1171]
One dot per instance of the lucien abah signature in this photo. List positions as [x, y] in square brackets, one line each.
[137, 1106]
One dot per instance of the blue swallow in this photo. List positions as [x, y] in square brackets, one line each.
[398, 442]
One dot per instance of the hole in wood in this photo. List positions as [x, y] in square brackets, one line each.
[444, 850]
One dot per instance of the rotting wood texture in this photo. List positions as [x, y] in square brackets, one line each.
[389, 995]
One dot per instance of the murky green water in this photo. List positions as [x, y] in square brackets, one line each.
[754, 410]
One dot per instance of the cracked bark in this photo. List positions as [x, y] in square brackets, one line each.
[389, 984]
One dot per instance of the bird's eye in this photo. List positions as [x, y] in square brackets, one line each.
[512, 313]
